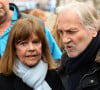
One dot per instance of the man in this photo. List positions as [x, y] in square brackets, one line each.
[8, 15]
[79, 29]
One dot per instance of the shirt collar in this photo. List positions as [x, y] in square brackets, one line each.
[15, 14]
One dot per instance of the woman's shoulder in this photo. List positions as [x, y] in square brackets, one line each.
[5, 82]
[11, 82]
[4, 78]
[52, 72]
[54, 80]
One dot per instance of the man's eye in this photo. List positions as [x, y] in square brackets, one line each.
[71, 32]
[60, 32]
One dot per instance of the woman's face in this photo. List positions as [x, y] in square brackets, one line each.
[29, 51]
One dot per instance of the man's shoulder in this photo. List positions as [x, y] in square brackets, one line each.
[23, 15]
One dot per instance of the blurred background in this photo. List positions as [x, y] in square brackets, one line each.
[48, 5]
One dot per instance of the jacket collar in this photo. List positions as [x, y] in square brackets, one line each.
[18, 12]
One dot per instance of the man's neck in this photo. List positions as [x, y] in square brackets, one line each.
[6, 23]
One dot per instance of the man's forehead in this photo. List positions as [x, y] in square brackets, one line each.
[67, 28]
[4, 2]
[69, 20]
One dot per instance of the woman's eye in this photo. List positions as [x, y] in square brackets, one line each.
[23, 43]
[36, 41]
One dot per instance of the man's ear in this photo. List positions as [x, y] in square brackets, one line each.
[94, 33]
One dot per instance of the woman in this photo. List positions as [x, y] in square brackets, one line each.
[27, 63]
[39, 13]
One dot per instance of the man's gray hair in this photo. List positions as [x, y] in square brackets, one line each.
[87, 14]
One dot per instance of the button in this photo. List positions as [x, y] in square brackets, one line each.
[91, 81]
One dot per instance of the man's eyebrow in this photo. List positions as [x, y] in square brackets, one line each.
[67, 29]
[70, 28]
[73, 28]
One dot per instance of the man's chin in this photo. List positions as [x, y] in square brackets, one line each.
[72, 54]
[2, 19]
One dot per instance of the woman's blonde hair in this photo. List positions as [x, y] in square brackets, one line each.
[22, 30]
[56, 35]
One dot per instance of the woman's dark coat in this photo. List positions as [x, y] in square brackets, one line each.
[13, 82]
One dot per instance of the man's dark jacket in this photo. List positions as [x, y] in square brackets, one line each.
[89, 81]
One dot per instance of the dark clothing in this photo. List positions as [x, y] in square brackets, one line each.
[91, 80]
[79, 72]
[13, 82]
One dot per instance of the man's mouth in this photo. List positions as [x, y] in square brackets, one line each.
[69, 47]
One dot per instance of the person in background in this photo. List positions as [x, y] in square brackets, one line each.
[38, 13]
[27, 63]
[9, 14]
[56, 35]
[79, 25]
[52, 5]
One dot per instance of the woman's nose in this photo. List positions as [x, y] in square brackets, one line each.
[31, 46]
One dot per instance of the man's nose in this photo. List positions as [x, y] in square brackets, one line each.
[66, 38]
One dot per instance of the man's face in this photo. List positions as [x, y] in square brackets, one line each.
[4, 8]
[74, 36]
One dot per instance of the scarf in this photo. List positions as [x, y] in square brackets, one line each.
[78, 66]
[34, 77]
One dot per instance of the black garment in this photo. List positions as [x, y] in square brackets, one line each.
[15, 83]
[91, 80]
[76, 68]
